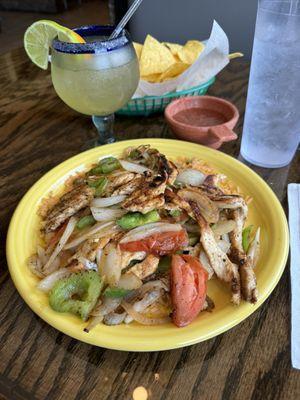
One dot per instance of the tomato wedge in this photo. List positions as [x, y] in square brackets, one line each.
[158, 244]
[188, 288]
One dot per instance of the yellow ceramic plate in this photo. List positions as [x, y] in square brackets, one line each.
[265, 211]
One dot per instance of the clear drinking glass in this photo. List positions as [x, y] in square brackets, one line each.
[271, 131]
[97, 77]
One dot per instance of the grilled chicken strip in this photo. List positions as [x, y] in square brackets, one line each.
[177, 202]
[127, 256]
[144, 202]
[157, 162]
[128, 187]
[164, 167]
[150, 196]
[68, 205]
[223, 267]
[172, 173]
[74, 265]
[207, 208]
[245, 263]
[119, 179]
[238, 212]
[221, 199]
[230, 202]
[210, 190]
[248, 279]
[146, 267]
[147, 194]
[193, 250]
[89, 248]
[211, 180]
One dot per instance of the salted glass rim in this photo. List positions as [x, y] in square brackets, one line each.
[93, 47]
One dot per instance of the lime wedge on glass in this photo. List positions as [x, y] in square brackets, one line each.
[38, 38]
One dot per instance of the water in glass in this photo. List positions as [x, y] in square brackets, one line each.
[272, 122]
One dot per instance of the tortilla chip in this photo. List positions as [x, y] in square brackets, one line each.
[138, 49]
[174, 70]
[173, 47]
[155, 57]
[177, 59]
[190, 51]
[235, 55]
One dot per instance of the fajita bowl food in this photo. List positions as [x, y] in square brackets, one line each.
[136, 238]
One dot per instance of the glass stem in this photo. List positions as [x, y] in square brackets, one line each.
[104, 125]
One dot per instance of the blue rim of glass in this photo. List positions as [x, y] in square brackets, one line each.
[93, 47]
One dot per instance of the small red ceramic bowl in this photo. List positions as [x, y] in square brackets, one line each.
[206, 120]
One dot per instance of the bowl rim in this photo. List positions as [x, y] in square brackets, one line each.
[169, 117]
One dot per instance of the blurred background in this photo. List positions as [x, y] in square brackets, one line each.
[179, 21]
[167, 20]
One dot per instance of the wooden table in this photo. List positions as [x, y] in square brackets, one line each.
[252, 361]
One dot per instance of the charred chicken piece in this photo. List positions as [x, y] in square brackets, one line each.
[245, 263]
[149, 196]
[68, 205]
[145, 268]
[128, 187]
[208, 209]
[223, 267]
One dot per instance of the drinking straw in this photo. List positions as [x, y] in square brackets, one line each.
[125, 19]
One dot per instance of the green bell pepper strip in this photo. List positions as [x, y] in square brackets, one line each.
[86, 286]
[96, 170]
[132, 220]
[164, 264]
[101, 187]
[94, 184]
[134, 154]
[105, 166]
[109, 165]
[85, 222]
[175, 213]
[193, 239]
[246, 237]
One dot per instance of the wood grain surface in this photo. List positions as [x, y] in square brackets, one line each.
[252, 361]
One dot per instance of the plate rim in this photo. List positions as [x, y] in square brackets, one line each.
[136, 346]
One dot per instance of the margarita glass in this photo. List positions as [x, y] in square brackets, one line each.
[97, 77]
